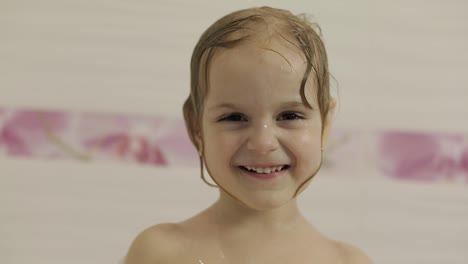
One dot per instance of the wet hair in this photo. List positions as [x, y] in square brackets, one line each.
[254, 24]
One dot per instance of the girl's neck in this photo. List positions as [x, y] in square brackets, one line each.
[232, 214]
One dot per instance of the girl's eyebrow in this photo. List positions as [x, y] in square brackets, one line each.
[298, 103]
[223, 105]
[289, 104]
[292, 104]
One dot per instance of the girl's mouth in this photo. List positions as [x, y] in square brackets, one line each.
[264, 172]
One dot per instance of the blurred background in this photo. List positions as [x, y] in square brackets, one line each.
[93, 148]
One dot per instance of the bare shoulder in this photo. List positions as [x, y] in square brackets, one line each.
[351, 254]
[157, 244]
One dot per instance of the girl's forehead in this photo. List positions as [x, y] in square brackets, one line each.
[277, 53]
[257, 72]
[254, 66]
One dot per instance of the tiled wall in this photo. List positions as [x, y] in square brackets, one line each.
[400, 70]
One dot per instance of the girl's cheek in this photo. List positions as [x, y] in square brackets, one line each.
[306, 136]
[225, 139]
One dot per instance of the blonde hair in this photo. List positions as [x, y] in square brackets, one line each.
[235, 28]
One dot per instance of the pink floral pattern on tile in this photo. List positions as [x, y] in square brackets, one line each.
[423, 156]
[162, 141]
[120, 136]
[94, 136]
[26, 133]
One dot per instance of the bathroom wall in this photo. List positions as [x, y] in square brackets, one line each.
[93, 147]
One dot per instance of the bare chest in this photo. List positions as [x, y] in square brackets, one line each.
[271, 252]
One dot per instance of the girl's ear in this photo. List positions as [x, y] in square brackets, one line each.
[328, 122]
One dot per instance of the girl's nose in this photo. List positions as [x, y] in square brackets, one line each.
[262, 139]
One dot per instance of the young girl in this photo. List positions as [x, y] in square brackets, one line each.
[259, 113]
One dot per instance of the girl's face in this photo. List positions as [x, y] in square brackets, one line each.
[260, 141]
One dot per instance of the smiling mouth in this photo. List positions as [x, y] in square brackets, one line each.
[264, 170]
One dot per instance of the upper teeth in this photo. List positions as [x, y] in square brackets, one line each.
[264, 170]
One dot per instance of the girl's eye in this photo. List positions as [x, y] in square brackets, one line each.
[235, 117]
[290, 116]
